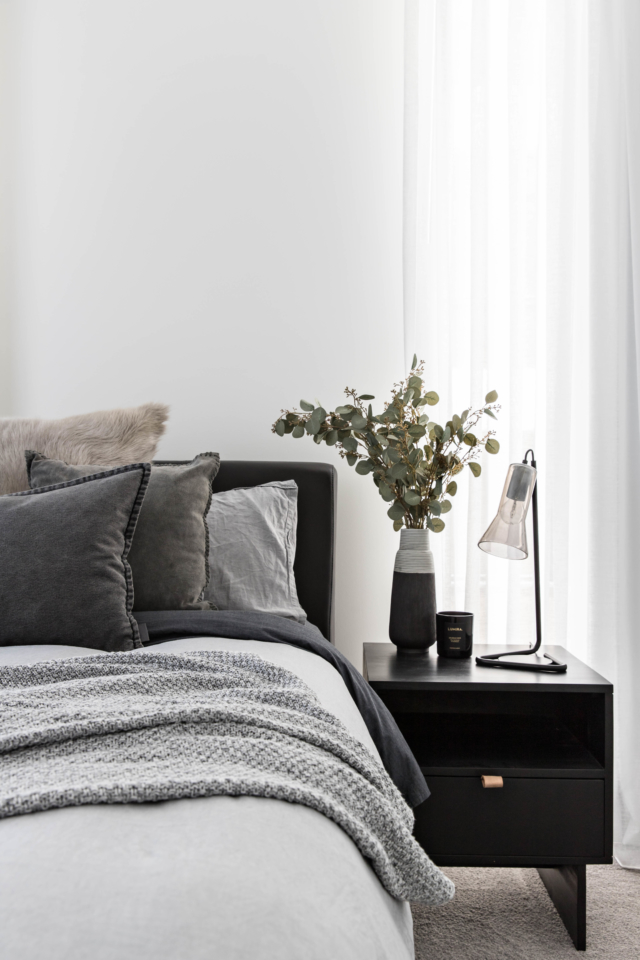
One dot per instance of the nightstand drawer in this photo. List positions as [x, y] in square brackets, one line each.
[527, 817]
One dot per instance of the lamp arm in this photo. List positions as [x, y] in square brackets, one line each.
[536, 553]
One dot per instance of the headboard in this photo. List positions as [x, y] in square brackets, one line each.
[314, 563]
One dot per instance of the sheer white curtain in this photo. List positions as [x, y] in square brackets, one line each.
[521, 247]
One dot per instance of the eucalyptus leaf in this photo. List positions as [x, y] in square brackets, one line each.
[491, 397]
[331, 437]
[412, 497]
[414, 362]
[396, 511]
[398, 471]
[492, 445]
[288, 426]
[464, 415]
[458, 467]
[470, 439]
[456, 422]
[434, 508]
[417, 431]
[436, 524]
[392, 454]
[475, 468]
[358, 422]
[364, 467]
[292, 417]
[280, 428]
[306, 406]
[366, 396]
[452, 488]
[446, 436]
[386, 492]
[315, 420]
[345, 411]
[432, 398]
[445, 506]
[490, 413]
[408, 395]
[298, 431]
[397, 525]
[351, 459]
[350, 444]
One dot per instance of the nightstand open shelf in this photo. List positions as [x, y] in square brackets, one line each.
[501, 743]
[548, 736]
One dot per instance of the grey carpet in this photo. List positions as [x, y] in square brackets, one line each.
[506, 914]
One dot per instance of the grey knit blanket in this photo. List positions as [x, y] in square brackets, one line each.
[132, 728]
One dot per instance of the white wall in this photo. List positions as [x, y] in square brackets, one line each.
[207, 200]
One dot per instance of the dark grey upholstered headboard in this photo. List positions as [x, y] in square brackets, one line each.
[314, 563]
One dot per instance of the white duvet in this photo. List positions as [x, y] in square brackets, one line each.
[216, 878]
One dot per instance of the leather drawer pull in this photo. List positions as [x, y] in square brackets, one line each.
[492, 782]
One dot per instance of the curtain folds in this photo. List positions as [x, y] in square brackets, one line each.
[522, 274]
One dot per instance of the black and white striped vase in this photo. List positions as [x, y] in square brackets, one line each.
[412, 624]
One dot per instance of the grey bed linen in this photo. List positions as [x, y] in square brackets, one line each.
[219, 878]
[396, 756]
[252, 546]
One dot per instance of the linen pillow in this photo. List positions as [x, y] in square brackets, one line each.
[252, 532]
[108, 438]
[170, 552]
[64, 575]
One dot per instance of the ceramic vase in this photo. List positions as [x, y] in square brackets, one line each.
[412, 624]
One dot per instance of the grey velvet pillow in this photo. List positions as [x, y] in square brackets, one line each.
[252, 531]
[170, 551]
[64, 575]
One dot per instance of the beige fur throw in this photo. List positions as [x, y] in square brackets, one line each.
[109, 438]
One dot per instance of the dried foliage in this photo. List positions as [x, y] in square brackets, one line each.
[414, 461]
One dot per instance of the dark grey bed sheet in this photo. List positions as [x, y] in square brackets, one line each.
[394, 751]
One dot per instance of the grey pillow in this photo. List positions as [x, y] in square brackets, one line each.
[252, 531]
[109, 438]
[64, 575]
[170, 552]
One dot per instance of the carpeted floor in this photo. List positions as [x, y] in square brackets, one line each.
[506, 914]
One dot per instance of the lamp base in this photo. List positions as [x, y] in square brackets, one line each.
[495, 660]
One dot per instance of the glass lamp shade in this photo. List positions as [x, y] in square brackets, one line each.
[506, 535]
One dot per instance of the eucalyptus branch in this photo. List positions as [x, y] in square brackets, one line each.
[413, 460]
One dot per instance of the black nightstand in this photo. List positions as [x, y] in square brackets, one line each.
[548, 736]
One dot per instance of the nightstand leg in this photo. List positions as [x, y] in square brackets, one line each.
[567, 887]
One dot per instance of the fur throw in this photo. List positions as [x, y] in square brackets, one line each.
[110, 438]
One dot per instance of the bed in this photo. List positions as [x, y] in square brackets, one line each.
[208, 876]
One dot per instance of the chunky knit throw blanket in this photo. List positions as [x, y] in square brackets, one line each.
[128, 728]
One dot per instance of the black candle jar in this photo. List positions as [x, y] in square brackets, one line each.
[454, 629]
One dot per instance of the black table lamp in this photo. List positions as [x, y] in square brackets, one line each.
[506, 537]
